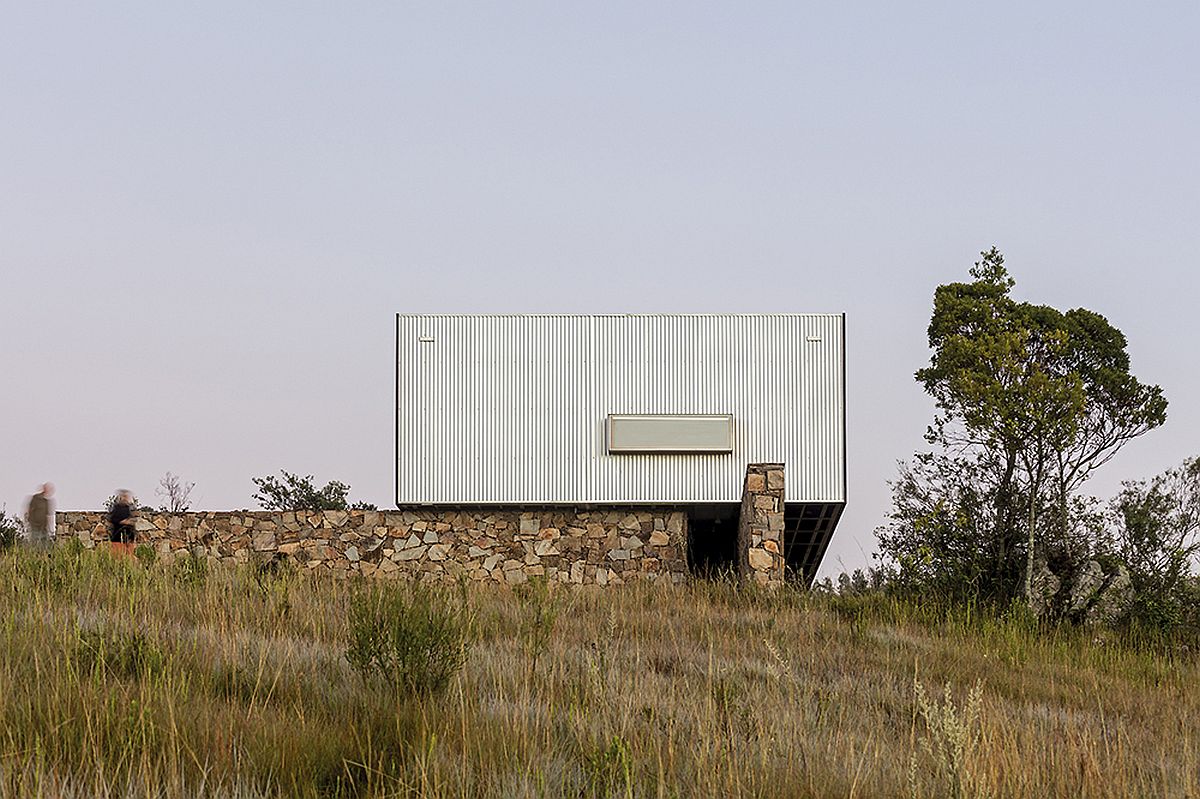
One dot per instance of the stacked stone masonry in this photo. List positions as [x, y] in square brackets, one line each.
[760, 525]
[601, 547]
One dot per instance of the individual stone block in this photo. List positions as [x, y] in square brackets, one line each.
[760, 559]
[410, 554]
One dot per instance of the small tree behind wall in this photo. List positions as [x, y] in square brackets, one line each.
[176, 495]
[293, 492]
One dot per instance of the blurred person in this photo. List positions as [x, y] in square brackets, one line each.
[121, 519]
[38, 517]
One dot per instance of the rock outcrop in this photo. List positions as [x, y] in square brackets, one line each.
[1088, 592]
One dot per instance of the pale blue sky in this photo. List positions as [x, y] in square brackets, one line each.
[209, 213]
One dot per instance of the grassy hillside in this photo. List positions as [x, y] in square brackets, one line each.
[123, 679]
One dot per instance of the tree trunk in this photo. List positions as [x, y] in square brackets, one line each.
[1004, 515]
[1035, 480]
[1029, 553]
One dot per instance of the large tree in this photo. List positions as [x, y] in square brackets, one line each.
[1030, 402]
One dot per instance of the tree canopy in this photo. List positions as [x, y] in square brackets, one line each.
[1030, 402]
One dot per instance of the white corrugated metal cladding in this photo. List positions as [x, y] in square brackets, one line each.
[499, 409]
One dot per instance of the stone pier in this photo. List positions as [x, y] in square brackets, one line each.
[760, 528]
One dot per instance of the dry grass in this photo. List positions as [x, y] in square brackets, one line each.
[119, 679]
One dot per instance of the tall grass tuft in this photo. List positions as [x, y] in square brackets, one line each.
[539, 612]
[414, 637]
[949, 742]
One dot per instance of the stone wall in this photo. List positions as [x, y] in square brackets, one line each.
[579, 546]
[760, 525]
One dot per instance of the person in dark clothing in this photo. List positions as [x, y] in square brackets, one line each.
[39, 516]
[121, 520]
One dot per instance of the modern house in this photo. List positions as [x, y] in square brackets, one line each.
[699, 416]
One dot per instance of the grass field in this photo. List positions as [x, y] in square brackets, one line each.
[120, 678]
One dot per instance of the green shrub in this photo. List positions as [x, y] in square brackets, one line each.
[127, 655]
[413, 637]
[191, 569]
[296, 492]
[145, 554]
[10, 530]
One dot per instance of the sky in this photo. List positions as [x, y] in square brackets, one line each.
[211, 212]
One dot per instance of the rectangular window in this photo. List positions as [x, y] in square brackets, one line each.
[678, 432]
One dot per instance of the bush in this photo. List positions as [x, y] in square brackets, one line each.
[1157, 533]
[191, 569]
[10, 530]
[414, 638]
[127, 655]
[294, 492]
[145, 554]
